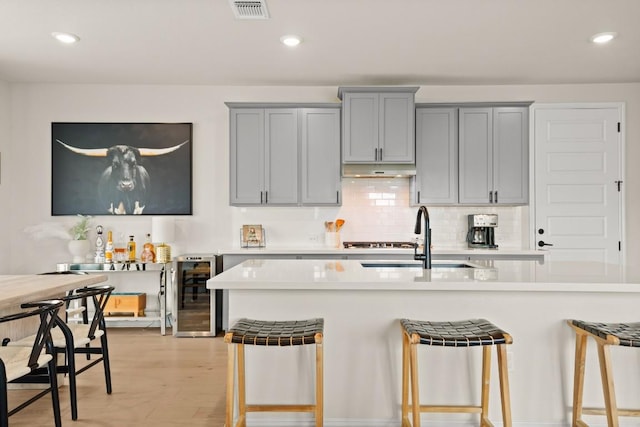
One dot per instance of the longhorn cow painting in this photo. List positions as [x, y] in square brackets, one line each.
[121, 168]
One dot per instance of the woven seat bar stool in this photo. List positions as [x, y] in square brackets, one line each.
[464, 333]
[605, 335]
[271, 333]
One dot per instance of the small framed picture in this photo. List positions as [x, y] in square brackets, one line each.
[252, 236]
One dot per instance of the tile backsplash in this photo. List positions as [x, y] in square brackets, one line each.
[378, 209]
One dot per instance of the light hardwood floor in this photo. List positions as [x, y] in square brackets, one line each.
[158, 381]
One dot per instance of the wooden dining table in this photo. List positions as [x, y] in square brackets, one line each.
[18, 289]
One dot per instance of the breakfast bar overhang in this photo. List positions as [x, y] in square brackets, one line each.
[362, 340]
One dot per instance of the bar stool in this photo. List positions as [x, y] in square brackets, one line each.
[464, 333]
[605, 335]
[271, 333]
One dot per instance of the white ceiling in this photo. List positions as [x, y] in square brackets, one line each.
[346, 42]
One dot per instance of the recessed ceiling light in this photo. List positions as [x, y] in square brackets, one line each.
[602, 38]
[67, 38]
[291, 40]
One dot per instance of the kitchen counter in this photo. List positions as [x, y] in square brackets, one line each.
[362, 344]
[440, 253]
[520, 276]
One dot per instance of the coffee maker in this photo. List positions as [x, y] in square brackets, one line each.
[481, 232]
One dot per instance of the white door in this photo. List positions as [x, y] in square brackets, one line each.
[578, 174]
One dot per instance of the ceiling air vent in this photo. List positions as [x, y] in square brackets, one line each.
[249, 9]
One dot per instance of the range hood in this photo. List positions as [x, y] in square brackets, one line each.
[378, 170]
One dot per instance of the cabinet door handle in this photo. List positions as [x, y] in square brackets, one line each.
[418, 197]
[490, 196]
[381, 154]
[261, 197]
[496, 197]
[338, 197]
[266, 197]
[375, 154]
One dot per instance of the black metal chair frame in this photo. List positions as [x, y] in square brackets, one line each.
[99, 295]
[48, 312]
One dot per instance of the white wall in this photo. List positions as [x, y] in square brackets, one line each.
[214, 224]
[5, 224]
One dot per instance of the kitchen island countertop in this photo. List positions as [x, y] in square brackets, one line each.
[486, 275]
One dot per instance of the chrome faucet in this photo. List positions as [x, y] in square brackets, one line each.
[425, 257]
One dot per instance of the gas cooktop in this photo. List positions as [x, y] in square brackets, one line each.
[378, 245]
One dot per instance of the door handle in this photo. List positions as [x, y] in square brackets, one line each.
[541, 244]
[375, 154]
[381, 154]
[490, 196]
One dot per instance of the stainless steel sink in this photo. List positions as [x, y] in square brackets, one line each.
[415, 265]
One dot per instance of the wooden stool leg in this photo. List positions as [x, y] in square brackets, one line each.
[319, 385]
[231, 355]
[486, 381]
[405, 380]
[503, 373]
[578, 378]
[242, 401]
[415, 397]
[606, 373]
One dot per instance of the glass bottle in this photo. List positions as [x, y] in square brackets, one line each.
[148, 250]
[131, 248]
[99, 258]
[108, 249]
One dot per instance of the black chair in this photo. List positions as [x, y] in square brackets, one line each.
[18, 362]
[71, 338]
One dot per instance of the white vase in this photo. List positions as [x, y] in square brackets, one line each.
[79, 249]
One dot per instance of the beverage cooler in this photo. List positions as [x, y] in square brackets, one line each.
[197, 311]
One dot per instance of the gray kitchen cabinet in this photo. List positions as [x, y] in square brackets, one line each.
[263, 156]
[378, 124]
[493, 157]
[284, 154]
[436, 180]
[320, 156]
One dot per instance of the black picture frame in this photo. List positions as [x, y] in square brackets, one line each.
[84, 177]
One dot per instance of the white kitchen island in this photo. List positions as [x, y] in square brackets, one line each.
[362, 343]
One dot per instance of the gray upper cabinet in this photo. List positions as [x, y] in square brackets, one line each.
[284, 156]
[378, 124]
[493, 160]
[320, 156]
[436, 180]
[264, 156]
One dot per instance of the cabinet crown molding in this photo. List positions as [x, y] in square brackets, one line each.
[377, 89]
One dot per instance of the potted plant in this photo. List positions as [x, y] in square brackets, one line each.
[79, 245]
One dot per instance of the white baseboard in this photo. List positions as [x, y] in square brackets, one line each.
[392, 423]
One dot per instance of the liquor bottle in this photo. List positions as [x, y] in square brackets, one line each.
[108, 250]
[131, 248]
[99, 258]
[148, 250]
